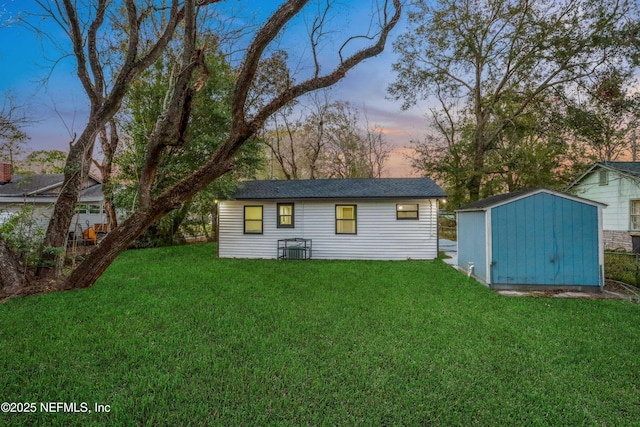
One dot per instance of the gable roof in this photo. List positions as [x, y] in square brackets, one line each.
[354, 188]
[40, 185]
[630, 169]
[26, 185]
[501, 199]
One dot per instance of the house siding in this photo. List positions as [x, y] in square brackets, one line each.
[380, 235]
[617, 195]
[473, 248]
[42, 212]
[545, 240]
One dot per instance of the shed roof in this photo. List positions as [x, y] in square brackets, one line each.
[501, 199]
[355, 188]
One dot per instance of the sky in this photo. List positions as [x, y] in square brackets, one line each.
[38, 77]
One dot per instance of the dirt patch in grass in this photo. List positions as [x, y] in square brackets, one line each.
[612, 290]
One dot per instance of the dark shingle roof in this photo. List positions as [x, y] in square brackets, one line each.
[22, 185]
[356, 188]
[46, 185]
[630, 168]
[92, 194]
[494, 200]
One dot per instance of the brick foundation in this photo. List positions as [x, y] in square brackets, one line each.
[616, 240]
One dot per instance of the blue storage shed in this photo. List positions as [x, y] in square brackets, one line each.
[533, 239]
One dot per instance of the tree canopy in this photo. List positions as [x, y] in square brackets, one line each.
[491, 63]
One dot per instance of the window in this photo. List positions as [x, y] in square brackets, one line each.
[285, 215]
[346, 219]
[407, 211]
[95, 209]
[81, 209]
[253, 220]
[635, 215]
[603, 178]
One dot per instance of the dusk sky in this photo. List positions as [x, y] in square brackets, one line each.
[57, 102]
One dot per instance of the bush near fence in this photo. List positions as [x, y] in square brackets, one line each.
[623, 267]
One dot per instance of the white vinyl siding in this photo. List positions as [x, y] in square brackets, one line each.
[380, 235]
[42, 213]
[617, 195]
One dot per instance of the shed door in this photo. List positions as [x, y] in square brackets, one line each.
[545, 240]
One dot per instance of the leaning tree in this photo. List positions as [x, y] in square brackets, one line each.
[107, 84]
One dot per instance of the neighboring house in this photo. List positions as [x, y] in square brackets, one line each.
[532, 239]
[41, 192]
[616, 184]
[384, 218]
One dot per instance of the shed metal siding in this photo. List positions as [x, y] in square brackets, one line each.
[472, 238]
[545, 239]
[379, 234]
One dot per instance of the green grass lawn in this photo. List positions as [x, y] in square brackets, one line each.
[175, 337]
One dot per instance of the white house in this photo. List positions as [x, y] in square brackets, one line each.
[617, 185]
[41, 192]
[384, 219]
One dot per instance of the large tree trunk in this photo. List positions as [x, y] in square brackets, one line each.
[10, 280]
[75, 172]
[172, 127]
[119, 239]
[109, 146]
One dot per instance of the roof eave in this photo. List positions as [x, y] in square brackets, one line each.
[341, 198]
[603, 165]
[533, 193]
